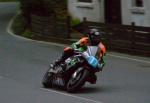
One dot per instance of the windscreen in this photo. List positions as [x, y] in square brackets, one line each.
[92, 50]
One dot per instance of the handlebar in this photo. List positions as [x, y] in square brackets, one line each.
[77, 51]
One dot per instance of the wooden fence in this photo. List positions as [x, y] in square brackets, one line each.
[49, 26]
[122, 38]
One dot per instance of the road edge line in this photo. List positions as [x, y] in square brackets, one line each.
[73, 96]
[9, 30]
[133, 59]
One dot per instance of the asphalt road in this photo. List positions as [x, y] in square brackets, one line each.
[125, 79]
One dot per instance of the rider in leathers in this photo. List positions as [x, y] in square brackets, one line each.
[81, 46]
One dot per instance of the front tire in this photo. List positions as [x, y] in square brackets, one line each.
[47, 79]
[77, 79]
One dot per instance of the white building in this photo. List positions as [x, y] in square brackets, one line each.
[112, 11]
[92, 9]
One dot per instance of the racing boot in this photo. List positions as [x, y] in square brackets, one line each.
[100, 67]
[92, 79]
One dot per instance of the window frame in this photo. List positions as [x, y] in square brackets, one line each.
[137, 3]
[85, 1]
[81, 4]
[137, 9]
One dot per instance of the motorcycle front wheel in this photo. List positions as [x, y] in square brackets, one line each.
[47, 79]
[77, 79]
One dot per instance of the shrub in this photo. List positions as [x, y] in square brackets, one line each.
[75, 21]
[19, 24]
[27, 33]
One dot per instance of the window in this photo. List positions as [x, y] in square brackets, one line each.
[138, 3]
[85, 4]
[138, 7]
[87, 1]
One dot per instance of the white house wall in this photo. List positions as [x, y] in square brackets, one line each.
[92, 11]
[139, 15]
[125, 5]
[147, 12]
[95, 12]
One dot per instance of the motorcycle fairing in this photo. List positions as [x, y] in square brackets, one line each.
[92, 55]
[92, 50]
[93, 61]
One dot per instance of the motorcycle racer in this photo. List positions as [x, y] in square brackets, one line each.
[78, 64]
[81, 45]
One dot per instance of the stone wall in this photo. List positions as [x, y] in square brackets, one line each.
[46, 17]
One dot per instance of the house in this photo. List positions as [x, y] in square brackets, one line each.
[123, 12]
[93, 10]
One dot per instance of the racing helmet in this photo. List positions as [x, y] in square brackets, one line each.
[95, 36]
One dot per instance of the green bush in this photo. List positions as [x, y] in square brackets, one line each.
[75, 21]
[19, 24]
[28, 33]
[19, 27]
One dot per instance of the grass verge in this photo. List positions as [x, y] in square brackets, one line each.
[19, 27]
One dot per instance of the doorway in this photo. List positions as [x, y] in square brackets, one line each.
[113, 11]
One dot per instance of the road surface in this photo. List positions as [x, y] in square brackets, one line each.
[125, 79]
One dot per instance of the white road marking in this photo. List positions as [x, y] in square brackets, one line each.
[64, 45]
[133, 59]
[9, 28]
[73, 96]
[20, 37]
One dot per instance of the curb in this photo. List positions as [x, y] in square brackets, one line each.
[54, 40]
[46, 40]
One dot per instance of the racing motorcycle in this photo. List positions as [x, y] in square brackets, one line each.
[78, 69]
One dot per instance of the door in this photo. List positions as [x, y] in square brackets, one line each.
[113, 11]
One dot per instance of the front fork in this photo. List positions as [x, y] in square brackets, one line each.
[92, 78]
